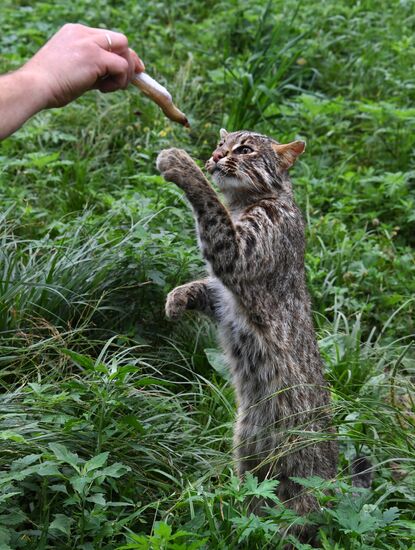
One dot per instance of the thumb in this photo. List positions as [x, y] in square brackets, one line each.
[138, 64]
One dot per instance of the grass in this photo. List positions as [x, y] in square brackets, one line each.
[116, 425]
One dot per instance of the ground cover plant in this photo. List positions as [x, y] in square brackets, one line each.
[115, 425]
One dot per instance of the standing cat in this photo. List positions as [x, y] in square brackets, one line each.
[256, 291]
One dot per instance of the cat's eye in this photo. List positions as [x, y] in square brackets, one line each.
[243, 150]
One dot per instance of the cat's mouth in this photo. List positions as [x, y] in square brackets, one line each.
[224, 177]
[218, 169]
[211, 166]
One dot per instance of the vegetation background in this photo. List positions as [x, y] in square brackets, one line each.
[115, 425]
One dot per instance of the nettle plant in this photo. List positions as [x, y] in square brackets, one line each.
[82, 489]
[220, 518]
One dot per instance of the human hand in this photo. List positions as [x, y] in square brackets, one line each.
[79, 58]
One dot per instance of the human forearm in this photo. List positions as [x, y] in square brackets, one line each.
[76, 59]
[21, 96]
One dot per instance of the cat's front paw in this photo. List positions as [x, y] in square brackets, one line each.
[176, 303]
[177, 166]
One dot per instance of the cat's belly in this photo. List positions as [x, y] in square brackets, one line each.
[252, 351]
[272, 381]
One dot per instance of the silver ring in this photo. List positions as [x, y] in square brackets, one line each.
[107, 36]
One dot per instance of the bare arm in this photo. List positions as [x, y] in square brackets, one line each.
[20, 98]
[76, 59]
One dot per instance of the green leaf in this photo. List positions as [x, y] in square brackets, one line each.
[81, 360]
[47, 468]
[23, 462]
[313, 482]
[157, 277]
[140, 543]
[40, 389]
[121, 372]
[64, 455]
[12, 436]
[97, 498]
[162, 530]
[390, 515]
[59, 488]
[133, 421]
[15, 517]
[249, 525]
[96, 462]
[39, 160]
[79, 483]
[356, 522]
[406, 524]
[5, 536]
[266, 489]
[115, 470]
[62, 523]
[217, 361]
[149, 381]
[6, 496]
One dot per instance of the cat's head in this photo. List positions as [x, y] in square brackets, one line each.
[247, 161]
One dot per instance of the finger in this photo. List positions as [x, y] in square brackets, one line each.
[111, 41]
[118, 43]
[126, 54]
[110, 84]
[116, 67]
[128, 57]
[115, 42]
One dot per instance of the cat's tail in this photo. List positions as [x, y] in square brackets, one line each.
[362, 472]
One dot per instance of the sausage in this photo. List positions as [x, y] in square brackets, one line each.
[158, 93]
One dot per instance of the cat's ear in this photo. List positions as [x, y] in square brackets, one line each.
[223, 133]
[288, 152]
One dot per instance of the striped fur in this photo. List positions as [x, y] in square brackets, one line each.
[256, 291]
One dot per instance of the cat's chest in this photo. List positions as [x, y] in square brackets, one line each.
[225, 303]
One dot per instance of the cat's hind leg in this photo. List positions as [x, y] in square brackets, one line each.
[302, 502]
[251, 453]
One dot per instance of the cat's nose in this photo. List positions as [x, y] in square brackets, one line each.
[217, 155]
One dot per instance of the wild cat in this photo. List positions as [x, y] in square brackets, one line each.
[256, 291]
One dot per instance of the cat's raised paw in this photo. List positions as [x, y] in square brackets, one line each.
[165, 159]
[176, 303]
[177, 166]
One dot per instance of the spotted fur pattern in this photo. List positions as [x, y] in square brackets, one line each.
[256, 291]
